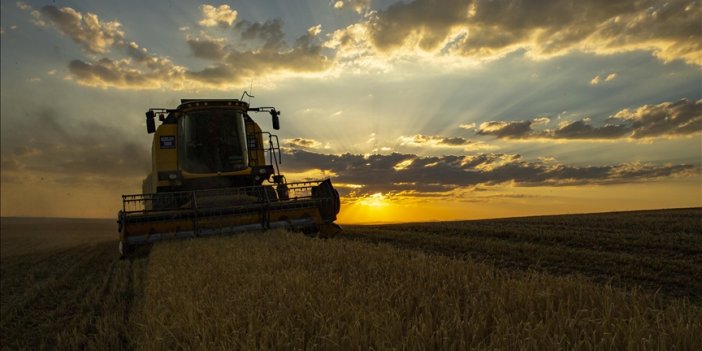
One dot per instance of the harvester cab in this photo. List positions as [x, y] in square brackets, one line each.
[214, 171]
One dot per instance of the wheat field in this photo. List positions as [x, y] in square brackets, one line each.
[367, 290]
[278, 290]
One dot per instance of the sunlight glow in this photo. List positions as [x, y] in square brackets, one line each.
[404, 164]
[375, 200]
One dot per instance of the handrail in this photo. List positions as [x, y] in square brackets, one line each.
[221, 197]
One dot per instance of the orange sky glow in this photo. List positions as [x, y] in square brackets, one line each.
[417, 110]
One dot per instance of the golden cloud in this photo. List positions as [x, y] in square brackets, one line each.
[86, 29]
[222, 15]
[491, 29]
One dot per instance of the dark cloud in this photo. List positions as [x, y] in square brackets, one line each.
[270, 33]
[220, 74]
[115, 73]
[303, 143]
[683, 117]
[482, 28]
[432, 174]
[433, 140]
[580, 129]
[502, 129]
[46, 142]
[272, 56]
[206, 48]
[436, 141]
[667, 119]
[454, 141]
[430, 20]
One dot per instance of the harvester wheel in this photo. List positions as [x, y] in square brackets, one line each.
[310, 230]
[329, 230]
[121, 249]
[125, 249]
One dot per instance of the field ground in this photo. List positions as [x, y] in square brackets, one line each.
[658, 251]
[604, 281]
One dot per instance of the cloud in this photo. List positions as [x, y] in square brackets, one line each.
[357, 5]
[597, 80]
[37, 17]
[229, 66]
[432, 140]
[436, 141]
[222, 15]
[273, 56]
[543, 120]
[86, 29]
[261, 51]
[44, 142]
[315, 30]
[140, 69]
[667, 119]
[679, 118]
[503, 129]
[468, 126]
[269, 32]
[451, 30]
[303, 143]
[492, 29]
[207, 48]
[122, 74]
[399, 172]
[454, 141]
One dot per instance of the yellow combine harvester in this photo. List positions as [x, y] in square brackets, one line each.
[209, 165]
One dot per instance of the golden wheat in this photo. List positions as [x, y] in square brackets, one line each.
[280, 290]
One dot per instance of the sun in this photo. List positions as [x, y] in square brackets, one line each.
[374, 208]
[374, 200]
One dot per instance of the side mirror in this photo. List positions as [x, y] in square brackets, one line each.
[276, 120]
[150, 124]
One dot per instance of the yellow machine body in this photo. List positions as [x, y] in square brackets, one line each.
[212, 172]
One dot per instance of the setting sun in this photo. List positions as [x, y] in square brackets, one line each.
[374, 200]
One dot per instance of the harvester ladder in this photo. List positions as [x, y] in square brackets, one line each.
[196, 229]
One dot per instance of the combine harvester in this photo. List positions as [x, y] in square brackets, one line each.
[207, 177]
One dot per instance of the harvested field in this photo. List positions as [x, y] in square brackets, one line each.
[658, 251]
[63, 287]
[497, 284]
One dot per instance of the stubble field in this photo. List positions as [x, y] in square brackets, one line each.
[602, 281]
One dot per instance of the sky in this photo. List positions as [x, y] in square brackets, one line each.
[419, 110]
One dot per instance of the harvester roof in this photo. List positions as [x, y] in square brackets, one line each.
[190, 103]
